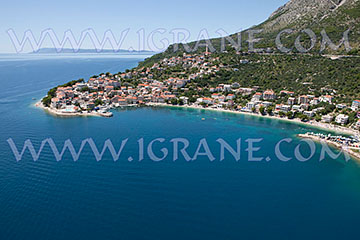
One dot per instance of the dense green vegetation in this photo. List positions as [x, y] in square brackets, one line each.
[300, 73]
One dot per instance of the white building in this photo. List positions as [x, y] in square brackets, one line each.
[309, 113]
[327, 118]
[291, 101]
[303, 99]
[315, 101]
[185, 100]
[266, 104]
[230, 97]
[342, 119]
[250, 105]
[285, 108]
[205, 100]
[257, 96]
[326, 98]
[341, 106]
[269, 95]
[296, 107]
[227, 88]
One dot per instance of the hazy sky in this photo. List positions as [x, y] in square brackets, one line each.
[140, 17]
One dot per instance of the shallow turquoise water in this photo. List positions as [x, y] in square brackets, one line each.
[199, 199]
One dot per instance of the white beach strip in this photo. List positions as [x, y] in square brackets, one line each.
[324, 126]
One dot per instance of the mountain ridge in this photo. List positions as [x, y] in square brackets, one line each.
[334, 17]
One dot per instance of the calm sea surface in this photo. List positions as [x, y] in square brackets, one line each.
[200, 199]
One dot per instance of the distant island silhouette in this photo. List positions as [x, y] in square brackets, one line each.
[70, 50]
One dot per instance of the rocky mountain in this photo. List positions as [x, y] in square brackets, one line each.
[304, 11]
[332, 16]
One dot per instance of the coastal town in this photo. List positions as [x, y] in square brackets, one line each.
[195, 81]
[177, 81]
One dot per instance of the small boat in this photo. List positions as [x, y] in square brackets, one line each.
[203, 119]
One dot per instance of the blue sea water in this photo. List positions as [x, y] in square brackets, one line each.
[169, 199]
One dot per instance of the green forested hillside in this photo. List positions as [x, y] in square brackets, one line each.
[293, 71]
